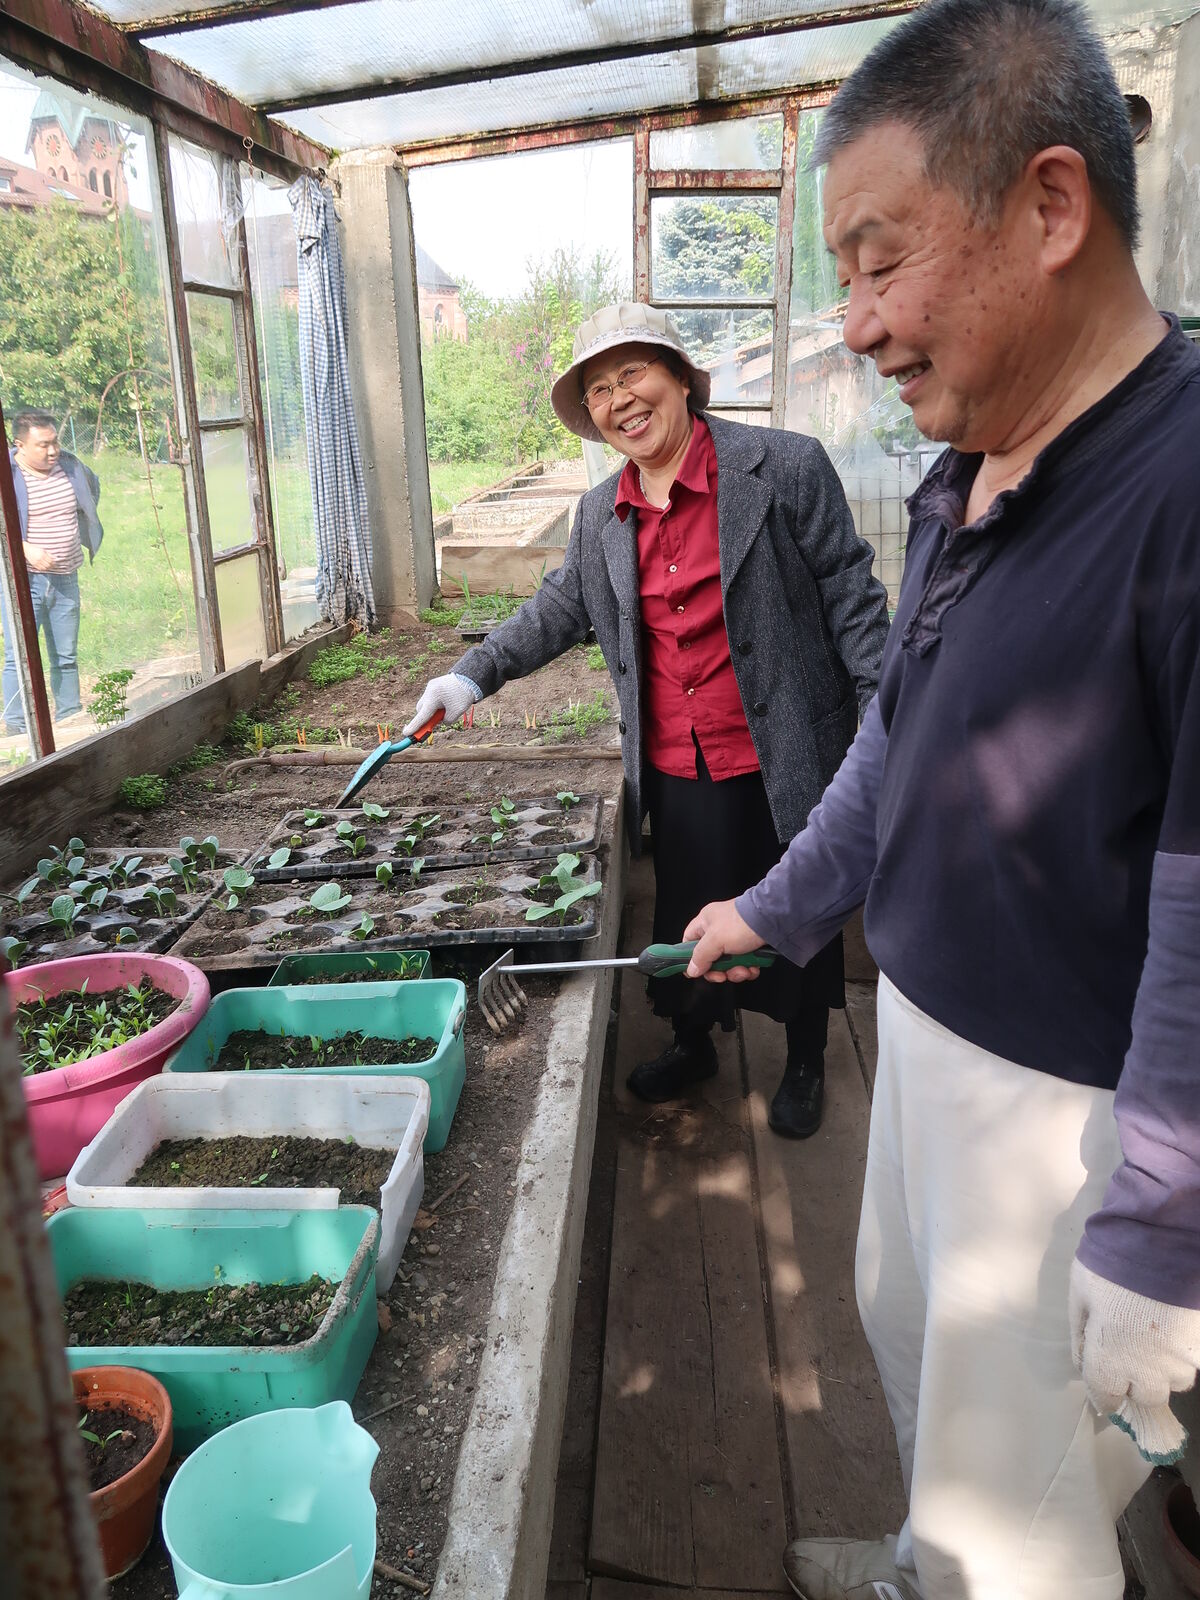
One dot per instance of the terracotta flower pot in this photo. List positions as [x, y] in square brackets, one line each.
[126, 1509]
[1181, 1537]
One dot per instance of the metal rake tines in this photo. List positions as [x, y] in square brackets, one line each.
[503, 1001]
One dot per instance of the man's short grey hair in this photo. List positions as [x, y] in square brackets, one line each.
[986, 84]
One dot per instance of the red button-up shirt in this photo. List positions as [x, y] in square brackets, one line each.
[688, 683]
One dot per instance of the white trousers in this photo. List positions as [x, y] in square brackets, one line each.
[980, 1176]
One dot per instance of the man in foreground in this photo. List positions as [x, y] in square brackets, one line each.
[1021, 814]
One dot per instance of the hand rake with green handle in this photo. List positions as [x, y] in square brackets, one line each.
[503, 1001]
[384, 752]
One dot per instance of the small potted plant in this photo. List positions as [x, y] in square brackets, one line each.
[125, 1428]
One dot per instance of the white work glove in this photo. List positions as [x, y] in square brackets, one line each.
[453, 694]
[1134, 1353]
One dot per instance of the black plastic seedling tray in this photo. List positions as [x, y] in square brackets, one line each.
[441, 908]
[95, 932]
[462, 837]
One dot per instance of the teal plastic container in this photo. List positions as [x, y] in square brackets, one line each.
[214, 1385]
[433, 1008]
[279, 1505]
[387, 965]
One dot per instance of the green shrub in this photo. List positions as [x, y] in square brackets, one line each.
[145, 792]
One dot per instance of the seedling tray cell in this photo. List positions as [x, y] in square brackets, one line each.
[435, 1008]
[462, 837]
[436, 910]
[211, 1386]
[95, 932]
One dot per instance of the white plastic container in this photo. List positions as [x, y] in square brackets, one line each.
[380, 1113]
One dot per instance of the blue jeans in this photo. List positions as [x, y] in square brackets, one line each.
[55, 597]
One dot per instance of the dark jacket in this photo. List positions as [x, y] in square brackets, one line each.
[87, 495]
[805, 618]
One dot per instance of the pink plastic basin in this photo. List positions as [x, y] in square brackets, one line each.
[69, 1105]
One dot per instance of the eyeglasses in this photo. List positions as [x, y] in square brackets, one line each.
[600, 394]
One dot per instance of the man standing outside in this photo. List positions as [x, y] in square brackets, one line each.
[56, 500]
[1021, 814]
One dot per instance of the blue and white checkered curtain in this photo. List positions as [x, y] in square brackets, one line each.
[344, 590]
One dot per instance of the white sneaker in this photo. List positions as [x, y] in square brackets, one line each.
[846, 1569]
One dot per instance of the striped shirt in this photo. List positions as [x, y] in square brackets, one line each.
[54, 517]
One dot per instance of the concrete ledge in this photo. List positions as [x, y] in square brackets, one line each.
[502, 1506]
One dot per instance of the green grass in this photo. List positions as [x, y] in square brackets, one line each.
[577, 719]
[453, 481]
[595, 658]
[132, 609]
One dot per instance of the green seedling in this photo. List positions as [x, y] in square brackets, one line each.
[126, 935]
[373, 812]
[94, 895]
[313, 818]
[164, 901]
[566, 799]
[365, 928]
[280, 857]
[565, 878]
[414, 867]
[94, 1438]
[64, 909]
[27, 889]
[13, 949]
[145, 791]
[124, 867]
[329, 899]
[355, 842]
[237, 880]
[185, 869]
[53, 870]
[384, 873]
[208, 848]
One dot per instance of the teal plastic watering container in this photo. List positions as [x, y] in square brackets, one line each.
[279, 1505]
[387, 965]
[214, 1385]
[429, 1008]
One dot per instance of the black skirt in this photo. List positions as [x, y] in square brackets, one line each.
[713, 841]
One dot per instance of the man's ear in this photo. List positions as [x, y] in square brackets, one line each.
[1060, 194]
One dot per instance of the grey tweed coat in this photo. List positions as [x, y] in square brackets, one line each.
[805, 618]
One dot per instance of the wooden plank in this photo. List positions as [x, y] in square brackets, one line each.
[498, 568]
[615, 1589]
[845, 1476]
[688, 1484]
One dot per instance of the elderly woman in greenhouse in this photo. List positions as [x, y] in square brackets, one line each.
[735, 607]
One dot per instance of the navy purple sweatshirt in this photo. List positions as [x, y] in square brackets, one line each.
[1021, 808]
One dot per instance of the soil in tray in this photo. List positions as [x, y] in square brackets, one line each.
[114, 1441]
[104, 1312]
[281, 1162]
[254, 1049]
[60, 1029]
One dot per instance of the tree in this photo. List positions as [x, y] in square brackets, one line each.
[66, 327]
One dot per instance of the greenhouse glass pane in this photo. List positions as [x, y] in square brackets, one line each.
[227, 486]
[206, 254]
[271, 240]
[749, 143]
[214, 357]
[239, 606]
[83, 337]
[713, 246]
[735, 347]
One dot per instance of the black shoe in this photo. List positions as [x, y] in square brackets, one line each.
[675, 1071]
[796, 1109]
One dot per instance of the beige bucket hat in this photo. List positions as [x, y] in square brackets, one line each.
[627, 323]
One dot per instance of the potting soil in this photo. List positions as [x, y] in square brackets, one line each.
[256, 1049]
[74, 1027]
[121, 1440]
[281, 1162]
[104, 1312]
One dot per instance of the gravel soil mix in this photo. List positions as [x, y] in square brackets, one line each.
[114, 1441]
[105, 1312]
[256, 1049]
[280, 1162]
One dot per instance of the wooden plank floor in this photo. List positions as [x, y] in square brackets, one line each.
[735, 1404]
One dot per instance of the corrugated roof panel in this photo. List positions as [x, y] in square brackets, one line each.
[377, 41]
[607, 89]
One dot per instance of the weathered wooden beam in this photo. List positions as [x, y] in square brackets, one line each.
[80, 46]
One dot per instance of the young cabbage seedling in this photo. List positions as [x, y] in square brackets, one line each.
[64, 909]
[571, 889]
[184, 868]
[329, 898]
[365, 928]
[164, 901]
[355, 842]
[373, 812]
[280, 857]
[13, 949]
[384, 874]
[237, 881]
[312, 817]
[566, 799]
